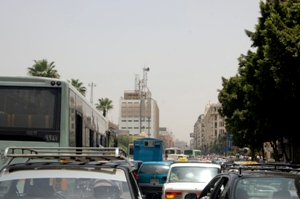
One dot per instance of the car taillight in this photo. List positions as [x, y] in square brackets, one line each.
[136, 175]
[173, 195]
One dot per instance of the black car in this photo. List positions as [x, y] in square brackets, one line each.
[72, 173]
[252, 183]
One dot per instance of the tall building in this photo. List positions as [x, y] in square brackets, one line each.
[213, 123]
[208, 127]
[139, 114]
[198, 130]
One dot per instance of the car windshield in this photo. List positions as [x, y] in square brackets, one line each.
[268, 188]
[74, 184]
[192, 174]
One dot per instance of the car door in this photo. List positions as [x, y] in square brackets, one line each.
[222, 189]
[211, 188]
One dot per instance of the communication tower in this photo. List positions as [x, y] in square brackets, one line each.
[141, 86]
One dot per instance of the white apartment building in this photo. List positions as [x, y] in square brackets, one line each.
[139, 116]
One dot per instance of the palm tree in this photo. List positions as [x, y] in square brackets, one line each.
[44, 69]
[79, 86]
[104, 105]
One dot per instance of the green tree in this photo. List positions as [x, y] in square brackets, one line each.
[104, 105]
[268, 80]
[274, 72]
[79, 86]
[44, 69]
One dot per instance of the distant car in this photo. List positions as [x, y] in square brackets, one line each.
[252, 183]
[152, 176]
[71, 173]
[219, 161]
[189, 177]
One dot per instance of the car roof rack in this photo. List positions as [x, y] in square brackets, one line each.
[285, 167]
[83, 154]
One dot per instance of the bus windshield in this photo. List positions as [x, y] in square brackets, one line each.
[192, 153]
[29, 108]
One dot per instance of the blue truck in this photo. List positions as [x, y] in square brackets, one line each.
[148, 149]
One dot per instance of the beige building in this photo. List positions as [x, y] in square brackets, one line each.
[208, 126]
[139, 114]
[213, 123]
[198, 133]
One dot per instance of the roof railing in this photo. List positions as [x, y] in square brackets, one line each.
[83, 154]
[286, 167]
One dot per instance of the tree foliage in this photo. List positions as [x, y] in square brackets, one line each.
[104, 105]
[44, 69]
[261, 103]
[79, 86]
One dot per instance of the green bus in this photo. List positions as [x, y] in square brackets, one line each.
[193, 153]
[47, 112]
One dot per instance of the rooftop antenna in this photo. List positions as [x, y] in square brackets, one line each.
[91, 95]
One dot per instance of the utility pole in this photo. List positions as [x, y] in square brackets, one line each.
[91, 95]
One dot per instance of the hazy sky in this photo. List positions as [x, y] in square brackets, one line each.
[187, 44]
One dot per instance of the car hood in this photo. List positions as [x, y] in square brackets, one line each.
[185, 186]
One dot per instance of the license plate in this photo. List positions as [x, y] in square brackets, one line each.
[154, 181]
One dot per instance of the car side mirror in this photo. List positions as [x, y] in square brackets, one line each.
[164, 178]
[191, 196]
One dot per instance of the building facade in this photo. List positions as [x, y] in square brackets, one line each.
[139, 114]
[167, 137]
[208, 127]
[213, 123]
[198, 133]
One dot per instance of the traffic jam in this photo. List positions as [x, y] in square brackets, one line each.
[151, 172]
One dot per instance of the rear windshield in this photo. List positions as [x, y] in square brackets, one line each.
[193, 174]
[154, 169]
[69, 184]
[268, 188]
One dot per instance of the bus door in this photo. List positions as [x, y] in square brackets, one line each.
[79, 130]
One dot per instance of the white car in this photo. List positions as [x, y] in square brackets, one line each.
[188, 177]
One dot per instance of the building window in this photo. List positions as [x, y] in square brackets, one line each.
[123, 120]
[215, 124]
[215, 117]
[129, 120]
[129, 127]
[215, 133]
[123, 127]
[136, 127]
[136, 120]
